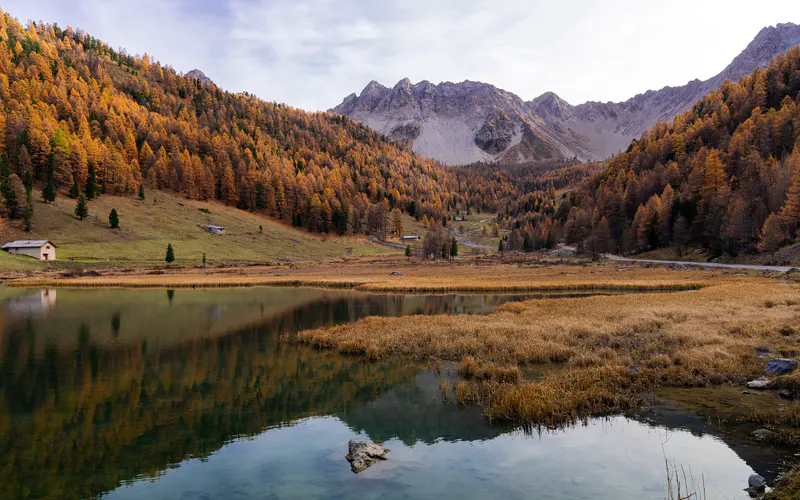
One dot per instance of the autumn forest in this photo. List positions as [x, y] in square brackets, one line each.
[82, 119]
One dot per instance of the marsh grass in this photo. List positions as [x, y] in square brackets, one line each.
[613, 348]
[683, 486]
[788, 488]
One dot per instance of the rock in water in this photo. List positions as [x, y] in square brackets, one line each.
[762, 434]
[781, 366]
[757, 482]
[759, 383]
[363, 454]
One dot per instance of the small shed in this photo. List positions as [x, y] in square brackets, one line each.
[215, 230]
[410, 238]
[38, 249]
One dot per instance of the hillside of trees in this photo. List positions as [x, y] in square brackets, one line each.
[724, 175]
[79, 117]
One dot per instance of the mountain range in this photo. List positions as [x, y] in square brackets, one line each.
[460, 123]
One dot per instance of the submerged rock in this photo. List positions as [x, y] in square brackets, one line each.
[363, 454]
[762, 434]
[759, 383]
[781, 366]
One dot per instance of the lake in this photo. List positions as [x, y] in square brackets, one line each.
[191, 394]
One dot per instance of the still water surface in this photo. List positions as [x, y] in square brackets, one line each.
[190, 394]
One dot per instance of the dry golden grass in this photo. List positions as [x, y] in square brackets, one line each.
[375, 275]
[472, 368]
[613, 347]
[788, 488]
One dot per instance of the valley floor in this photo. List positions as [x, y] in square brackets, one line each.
[695, 327]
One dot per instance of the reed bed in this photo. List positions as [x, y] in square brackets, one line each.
[788, 488]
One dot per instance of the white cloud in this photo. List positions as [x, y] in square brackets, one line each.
[311, 53]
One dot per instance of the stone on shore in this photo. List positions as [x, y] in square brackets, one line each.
[759, 383]
[781, 366]
[757, 482]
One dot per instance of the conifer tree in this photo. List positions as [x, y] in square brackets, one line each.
[454, 248]
[170, 256]
[408, 251]
[11, 194]
[113, 219]
[91, 183]
[49, 192]
[28, 211]
[81, 208]
[141, 190]
[76, 190]
[27, 180]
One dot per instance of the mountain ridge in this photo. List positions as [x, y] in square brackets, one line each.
[457, 122]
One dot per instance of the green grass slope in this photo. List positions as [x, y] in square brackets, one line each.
[146, 227]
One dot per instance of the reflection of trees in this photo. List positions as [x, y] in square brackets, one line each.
[415, 412]
[75, 423]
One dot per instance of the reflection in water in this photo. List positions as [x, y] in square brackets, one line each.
[32, 304]
[116, 385]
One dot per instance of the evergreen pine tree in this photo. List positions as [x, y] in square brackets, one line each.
[49, 192]
[204, 259]
[113, 219]
[76, 190]
[170, 257]
[28, 180]
[408, 251]
[81, 208]
[454, 248]
[91, 184]
[141, 192]
[28, 211]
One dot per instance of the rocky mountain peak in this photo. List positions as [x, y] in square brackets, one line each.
[405, 83]
[551, 104]
[373, 88]
[199, 75]
[472, 121]
[769, 42]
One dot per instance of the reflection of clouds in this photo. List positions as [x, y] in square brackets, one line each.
[36, 304]
[607, 459]
[214, 312]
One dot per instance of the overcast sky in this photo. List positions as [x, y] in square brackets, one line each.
[312, 53]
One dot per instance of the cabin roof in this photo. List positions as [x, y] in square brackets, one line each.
[27, 244]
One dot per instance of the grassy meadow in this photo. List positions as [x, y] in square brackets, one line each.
[146, 227]
[379, 274]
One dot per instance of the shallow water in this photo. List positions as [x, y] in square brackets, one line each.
[191, 394]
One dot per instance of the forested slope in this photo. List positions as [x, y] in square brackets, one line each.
[724, 175]
[81, 117]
